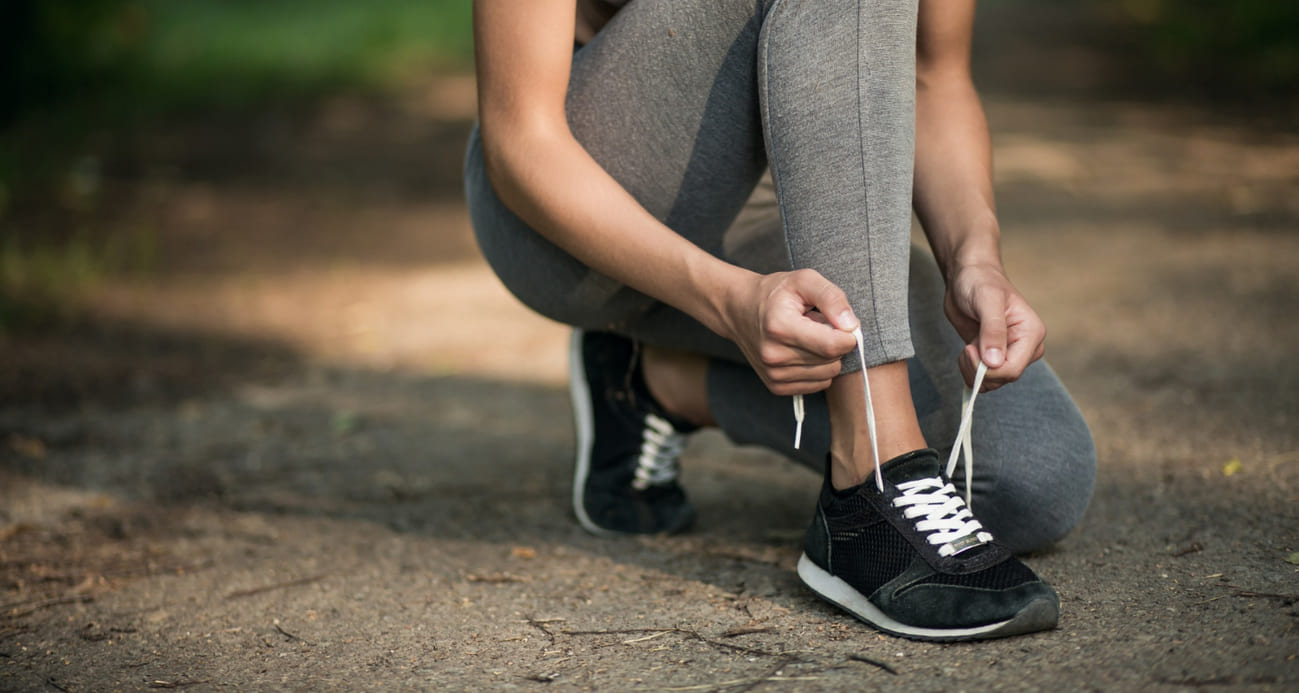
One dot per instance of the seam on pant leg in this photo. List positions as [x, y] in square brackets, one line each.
[878, 337]
[879, 350]
[764, 89]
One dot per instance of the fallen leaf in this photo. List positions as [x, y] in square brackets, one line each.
[1232, 466]
[497, 578]
[10, 531]
[31, 448]
[1293, 558]
[344, 422]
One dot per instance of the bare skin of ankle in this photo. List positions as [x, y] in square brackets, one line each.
[896, 427]
[678, 381]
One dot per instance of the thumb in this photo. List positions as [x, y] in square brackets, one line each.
[827, 298]
[992, 328]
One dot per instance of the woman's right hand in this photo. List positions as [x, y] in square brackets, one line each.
[793, 327]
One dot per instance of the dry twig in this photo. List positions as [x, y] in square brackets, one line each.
[684, 631]
[278, 586]
[643, 638]
[287, 634]
[540, 624]
[772, 674]
[496, 578]
[874, 663]
[1284, 598]
[736, 632]
[78, 599]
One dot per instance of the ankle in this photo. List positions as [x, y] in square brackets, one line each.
[846, 472]
[678, 382]
[897, 430]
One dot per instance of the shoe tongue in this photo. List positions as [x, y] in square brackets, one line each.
[918, 464]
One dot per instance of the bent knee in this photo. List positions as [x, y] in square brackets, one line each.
[1034, 510]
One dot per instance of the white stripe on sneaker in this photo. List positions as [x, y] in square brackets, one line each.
[838, 592]
[583, 418]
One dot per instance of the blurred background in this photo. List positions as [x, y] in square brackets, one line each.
[284, 172]
[177, 179]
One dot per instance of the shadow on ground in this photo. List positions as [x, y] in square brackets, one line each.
[324, 525]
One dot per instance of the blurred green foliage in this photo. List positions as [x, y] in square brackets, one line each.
[39, 281]
[230, 52]
[1228, 47]
[179, 53]
[69, 68]
[75, 75]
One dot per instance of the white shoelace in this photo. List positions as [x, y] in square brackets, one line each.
[962, 443]
[870, 412]
[948, 521]
[660, 447]
[953, 525]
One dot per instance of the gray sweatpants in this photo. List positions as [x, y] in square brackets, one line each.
[687, 103]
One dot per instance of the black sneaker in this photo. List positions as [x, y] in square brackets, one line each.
[625, 478]
[912, 560]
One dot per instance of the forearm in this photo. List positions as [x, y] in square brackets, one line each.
[552, 183]
[953, 181]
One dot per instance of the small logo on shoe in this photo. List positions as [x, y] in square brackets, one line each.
[966, 542]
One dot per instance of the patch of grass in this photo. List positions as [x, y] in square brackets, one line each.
[42, 278]
[228, 53]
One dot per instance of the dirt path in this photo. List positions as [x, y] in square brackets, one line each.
[307, 453]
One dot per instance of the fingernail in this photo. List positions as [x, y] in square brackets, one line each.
[847, 320]
[993, 357]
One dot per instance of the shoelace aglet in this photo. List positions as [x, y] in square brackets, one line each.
[870, 411]
[963, 443]
[798, 421]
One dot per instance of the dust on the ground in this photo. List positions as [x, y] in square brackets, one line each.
[321, 447]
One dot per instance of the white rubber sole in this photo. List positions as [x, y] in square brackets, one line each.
[584, 422]
[1039, 615]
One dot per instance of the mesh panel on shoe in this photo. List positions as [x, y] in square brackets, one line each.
[846, 511]
[869, 556]
[1004, 575]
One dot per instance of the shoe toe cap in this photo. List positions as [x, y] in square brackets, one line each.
[1032, 605]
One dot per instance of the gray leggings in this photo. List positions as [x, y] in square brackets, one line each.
[687, 104]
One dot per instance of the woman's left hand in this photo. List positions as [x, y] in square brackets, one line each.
[996, 323]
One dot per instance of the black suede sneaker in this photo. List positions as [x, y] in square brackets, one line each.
[625, 477]
[911, 560]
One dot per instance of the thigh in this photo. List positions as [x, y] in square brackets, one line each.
[666, 99]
